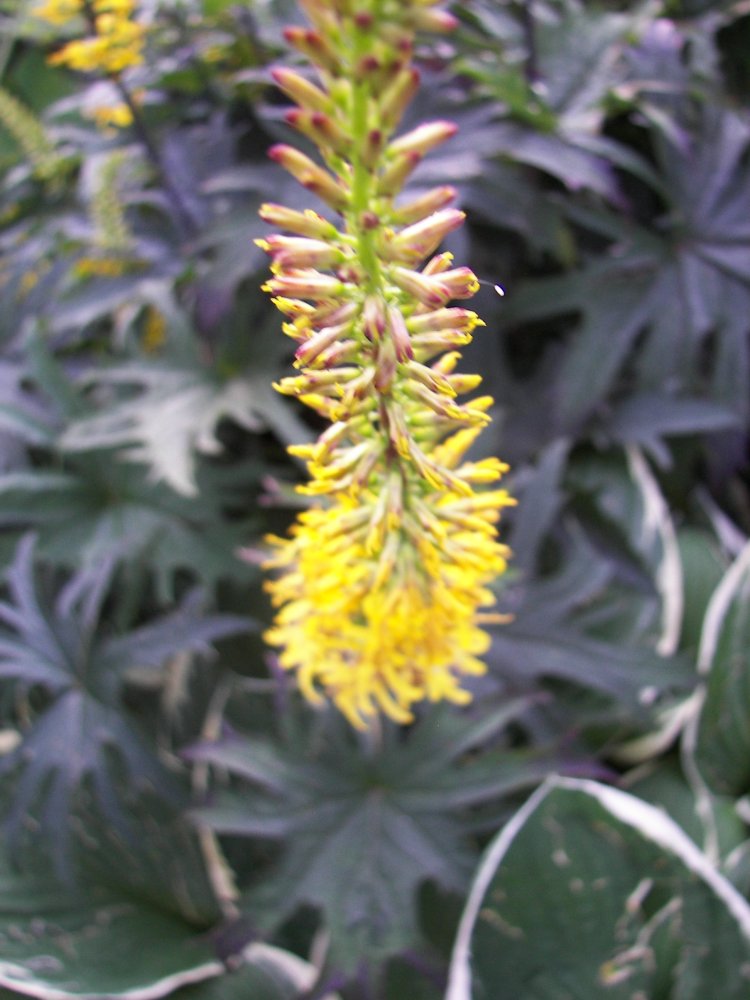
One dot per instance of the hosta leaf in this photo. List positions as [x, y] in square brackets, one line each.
[703, 567]
[365, 826]
[266, 973]
[174, 415]
[663, 784]
[92, 943]
[722, 737]
[157, 856]
[630, 907]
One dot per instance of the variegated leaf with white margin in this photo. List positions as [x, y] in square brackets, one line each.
[93, 942]
[658, 533]
[658, 537]
[263, 972]
[716, 747]
[590, 892]
[61, 943]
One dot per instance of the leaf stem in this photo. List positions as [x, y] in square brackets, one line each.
[183, 217]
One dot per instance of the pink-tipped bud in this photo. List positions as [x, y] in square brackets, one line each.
[373, 318]
[306, 285]
[310, 175]
[300, 90]
[434, 20]
[399, 335]
[312, 348]
[423, 138]
[366, 67]
[436, 290]
[427, 345]
[432, 378]
[320, 14]
[439, 263]
[445, 319]
[385, 367]
[294, 252]
[426, 204]
[315, 46]
[373, 147]
[342, 350]
[423, 288]
[320, 128]
[307, 223]
[415, 242]
[396, 97]
[394, 176]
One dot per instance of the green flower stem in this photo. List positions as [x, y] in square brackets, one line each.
[362, 176]
[183, 216]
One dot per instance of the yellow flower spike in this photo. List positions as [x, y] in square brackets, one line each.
[115, 44]
[382, 586]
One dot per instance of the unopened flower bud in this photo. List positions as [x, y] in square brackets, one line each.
[394, 176]
[315, 46]
[373, 147]
[399, 335]
[310, 175]
[445, 319]
[307, 285]
[320, 14]
[386, 367]
[295, 252]
[417, 241]
[396, 97]
[423, 138]
[430, 377]
[320, 128]
[419, 208]
[302, 91]
[373, 318]
[439, 21]
[307, 223]
[309, 351]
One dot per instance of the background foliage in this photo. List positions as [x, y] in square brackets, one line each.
[165, 795]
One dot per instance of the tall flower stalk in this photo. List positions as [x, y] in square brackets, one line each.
[381, 589]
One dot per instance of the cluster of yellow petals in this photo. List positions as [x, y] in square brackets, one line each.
[379, 621]
[115, 41]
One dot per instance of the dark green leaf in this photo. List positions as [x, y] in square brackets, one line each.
[366, 826]
[630, 907]
[93, 943]
[722, 751]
